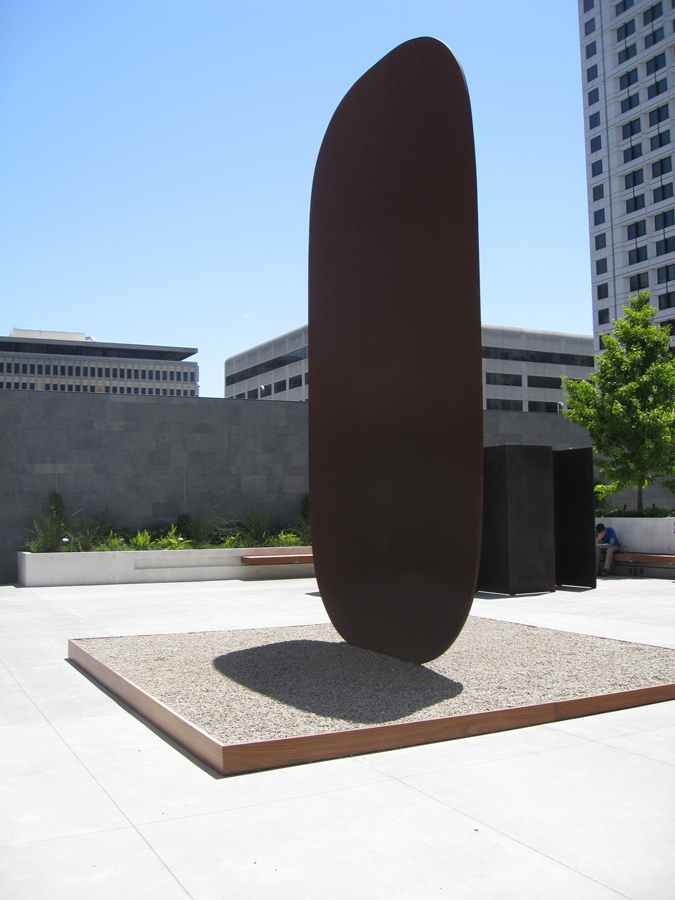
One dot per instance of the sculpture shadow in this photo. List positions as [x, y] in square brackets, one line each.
[337, 681]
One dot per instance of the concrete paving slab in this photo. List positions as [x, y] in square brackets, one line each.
[107, 865]
[60, 691]
[592, 807]
[16, 707]
[626, 721]
[658, 744]
[151, 781]
[469, 751]
[380, 840]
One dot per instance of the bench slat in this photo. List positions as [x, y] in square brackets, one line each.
[275, 559]
[645, 559]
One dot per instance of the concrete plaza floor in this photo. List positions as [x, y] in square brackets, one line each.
[96, 804]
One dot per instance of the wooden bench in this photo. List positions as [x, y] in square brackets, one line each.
[658, 564]
[276, 559]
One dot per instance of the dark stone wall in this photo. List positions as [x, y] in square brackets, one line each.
[146, 459]
[150, 459]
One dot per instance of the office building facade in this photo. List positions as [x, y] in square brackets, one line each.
[522, 368]
[627, 60]
[72, 363]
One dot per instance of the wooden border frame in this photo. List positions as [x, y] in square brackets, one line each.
[236, 759]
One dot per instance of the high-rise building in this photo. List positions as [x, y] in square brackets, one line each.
[627, 61]
[72, 363]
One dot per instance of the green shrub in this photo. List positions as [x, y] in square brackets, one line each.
[284, 539]
[140, 541]
[112, 542]
[650, 512]
[172, 541]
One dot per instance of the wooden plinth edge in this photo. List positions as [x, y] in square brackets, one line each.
[236, 759]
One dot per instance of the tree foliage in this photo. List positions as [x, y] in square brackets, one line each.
[628, 403]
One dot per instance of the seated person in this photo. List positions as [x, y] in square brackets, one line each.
[606, 542]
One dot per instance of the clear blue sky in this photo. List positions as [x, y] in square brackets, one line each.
[156, 160]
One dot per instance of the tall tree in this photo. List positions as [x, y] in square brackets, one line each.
[628, 403]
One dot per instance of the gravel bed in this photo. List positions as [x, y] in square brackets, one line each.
[266, 683]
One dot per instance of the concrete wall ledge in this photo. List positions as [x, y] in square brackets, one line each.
[643, 535]
[153, 566]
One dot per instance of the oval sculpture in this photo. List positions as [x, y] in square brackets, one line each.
[395, 415]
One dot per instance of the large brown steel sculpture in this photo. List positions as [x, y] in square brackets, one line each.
[396, 432]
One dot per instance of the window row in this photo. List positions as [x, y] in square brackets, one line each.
[265, 390]
[507, 379]
[532, 405]
[92, 389]
[652, 66]
[56, 371]
[269, 365]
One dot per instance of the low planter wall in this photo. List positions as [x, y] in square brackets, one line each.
[643, 535]
[147, 566]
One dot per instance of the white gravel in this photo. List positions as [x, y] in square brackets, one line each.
[259, 684]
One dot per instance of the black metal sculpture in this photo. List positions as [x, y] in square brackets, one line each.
[395, 418]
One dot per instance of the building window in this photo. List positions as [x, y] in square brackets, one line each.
[107, 373]
[630, 103]
[634, 178]
[596, 144]
[627, 79]
[594, 120]
[589, 27]
[665, 246]
[510, 405]
[635, 203]
[664, 220]
[623, 6]
[603, 291]
[636, 230]
[663, 193]
[593, 96]
[157, 375]
[601, 266]
[192, 393]
[631, 153]
[294, 382]
[240, 396]
[503, 379]
[639, 282]
[135, 390]
[171, 376]
[638, 255]
[143, 375]
[592, 73]
[192, 376]
[654, 38]
[143, 390]
[114, 373]
[63, 371]
[545, 406]
[601, 343]
[591, 49]
[100, 373]
[599, 217]
[630, 129]
[599, 192]
[660, 140]
[656, 63]
[588, 5]
[544, 381]
[665, 273]
[625, 30]
[653, 13]
[627, 53]
[31, 369]
[265, 390]
[150, 374]
[660, 87]
[252, 395]
[660, 114]
[84, 371]
[662, 167]
[164, 375]
[600, 241]
[596, 168]
[165, 393]
[666, 301]
[279, 386]
[114, 390]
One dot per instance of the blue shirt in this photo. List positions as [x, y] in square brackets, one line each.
[608, 536]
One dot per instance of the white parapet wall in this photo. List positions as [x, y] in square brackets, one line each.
[643, 535]
[146, 566]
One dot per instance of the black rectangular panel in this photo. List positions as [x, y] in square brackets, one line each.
[518, 550]
[574, 517]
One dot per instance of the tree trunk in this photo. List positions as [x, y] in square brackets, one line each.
[639, 498]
